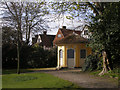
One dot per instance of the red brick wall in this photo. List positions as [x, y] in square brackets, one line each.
[58, 38]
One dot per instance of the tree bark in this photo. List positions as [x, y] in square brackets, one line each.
[110, 64]
[106, 66]
[18, 54]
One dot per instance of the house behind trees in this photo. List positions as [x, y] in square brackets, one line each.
[44, 40]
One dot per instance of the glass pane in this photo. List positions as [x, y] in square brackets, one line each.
[83, 53]
[70, 53]
[59, 35]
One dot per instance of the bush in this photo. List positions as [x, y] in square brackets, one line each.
[9, 56]
[40, 58]
[30, 57]
[91, 63]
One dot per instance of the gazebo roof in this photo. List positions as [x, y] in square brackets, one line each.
[72, 39]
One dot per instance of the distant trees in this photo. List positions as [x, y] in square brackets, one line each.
[30, 57]
[25, 17]
[9, 47]
[9, 35]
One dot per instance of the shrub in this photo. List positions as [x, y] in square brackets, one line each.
[30, 57]
[91, 63]
[40, 58]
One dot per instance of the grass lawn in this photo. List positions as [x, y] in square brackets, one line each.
[33, 80]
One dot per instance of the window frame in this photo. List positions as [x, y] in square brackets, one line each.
[73, 56]
[81, 55]
[59, 35]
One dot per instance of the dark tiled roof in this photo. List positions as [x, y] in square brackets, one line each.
[47, 40]
[66, 32]
[72, 39]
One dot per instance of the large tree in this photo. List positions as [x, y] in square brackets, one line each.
[105, 35]
[25, 18]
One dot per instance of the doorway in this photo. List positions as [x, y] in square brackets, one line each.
[70, 58]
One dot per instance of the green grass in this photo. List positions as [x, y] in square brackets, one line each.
[34, 80]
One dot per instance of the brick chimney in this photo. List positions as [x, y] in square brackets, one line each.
[45, 32]
[63, 27]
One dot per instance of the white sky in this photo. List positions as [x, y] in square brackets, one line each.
[56, 24]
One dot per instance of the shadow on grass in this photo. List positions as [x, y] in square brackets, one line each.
[14, 71]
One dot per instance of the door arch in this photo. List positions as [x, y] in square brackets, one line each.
[61, 57]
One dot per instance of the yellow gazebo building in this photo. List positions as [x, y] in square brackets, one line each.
[72, 51]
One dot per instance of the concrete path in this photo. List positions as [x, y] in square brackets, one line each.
[84, 80]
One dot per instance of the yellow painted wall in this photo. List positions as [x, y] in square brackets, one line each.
[76, 48]
[64, 55]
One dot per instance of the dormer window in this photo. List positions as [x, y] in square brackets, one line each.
[59, 35]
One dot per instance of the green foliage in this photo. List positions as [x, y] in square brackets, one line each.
[106, 32]
[111, 74]
[30, 57]
[91, 63]
[42, 58]
[9, 56]
[14, 71]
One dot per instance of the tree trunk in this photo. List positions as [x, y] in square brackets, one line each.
[106, 66]
[18, 56]
[28, 39]
[110, 64]
[18, 53]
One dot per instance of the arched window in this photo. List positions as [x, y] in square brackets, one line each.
[82, 53]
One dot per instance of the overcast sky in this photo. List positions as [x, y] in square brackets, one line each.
[54, 25]
[70, 24]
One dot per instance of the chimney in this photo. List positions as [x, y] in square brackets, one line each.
[64, 27]
[44, 32]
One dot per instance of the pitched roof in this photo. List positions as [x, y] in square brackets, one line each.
[72, 39]
[66, 32]
[47, 40]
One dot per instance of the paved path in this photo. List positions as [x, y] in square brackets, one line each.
[84, 79]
